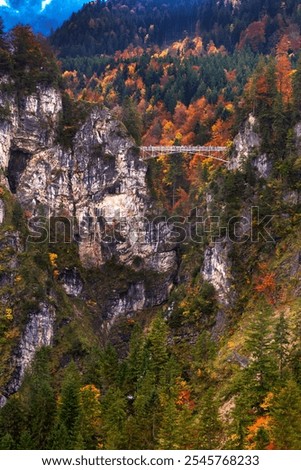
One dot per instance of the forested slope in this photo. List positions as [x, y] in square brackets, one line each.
[105, 27]
[153, 339]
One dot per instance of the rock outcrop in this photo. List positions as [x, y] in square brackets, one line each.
[38, 332]
[31, 123]
[99, 186]
[247, 145]
[71, 281]
[217, 271]
[97, 191]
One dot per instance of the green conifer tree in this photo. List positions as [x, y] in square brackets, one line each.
[286, 418]
[70, 405]
[281, 338]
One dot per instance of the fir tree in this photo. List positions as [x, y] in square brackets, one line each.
[281, 337]
[260, 373]
[207, 425]
[286, 418]
[70, 404]
[114, 420]
[132, 119]
[41, 401]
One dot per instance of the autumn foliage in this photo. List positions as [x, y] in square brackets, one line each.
[266, 284]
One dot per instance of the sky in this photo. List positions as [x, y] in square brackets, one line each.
[42, 15]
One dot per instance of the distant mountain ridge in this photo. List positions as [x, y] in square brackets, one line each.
[105, 27]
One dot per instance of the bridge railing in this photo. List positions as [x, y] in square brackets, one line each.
[182, 149]
[154, 151]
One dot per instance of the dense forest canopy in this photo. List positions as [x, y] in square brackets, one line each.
[105, 27]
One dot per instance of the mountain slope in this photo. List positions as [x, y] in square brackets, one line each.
[104, 28]
[196, 353]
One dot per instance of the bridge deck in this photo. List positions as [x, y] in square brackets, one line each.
[155, 151]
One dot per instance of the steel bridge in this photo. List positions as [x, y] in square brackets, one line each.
[155, 151]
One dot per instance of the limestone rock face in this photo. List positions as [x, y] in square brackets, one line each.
[138, 297]
[99, 186]
[298, 135]
[38, 332]
[217, 271]
[31, 123]
[98, 189]
[246, 143]
[2, 212]
[71, 281]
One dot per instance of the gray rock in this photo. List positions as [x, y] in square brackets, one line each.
[263, 166]
[30, 126]
[298, 135]
[3, 401]
[103, 177]
[71, 282]
[38, 332]
[245, 143]
[217, 271]
[138, 297]
[292, 198]
[2, 212]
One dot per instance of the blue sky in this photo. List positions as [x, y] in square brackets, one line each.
[42, 15]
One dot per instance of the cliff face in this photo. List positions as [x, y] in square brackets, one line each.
[100, 181]
[247, 146]
[30, 124]
[98, 191]
[38, 333]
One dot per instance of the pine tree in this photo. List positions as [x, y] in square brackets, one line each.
[109, 367]
[175, 421]
[145, 407]
[135, 361]
[207, 425]
[132, 119]
[260, 373]
[295, 353]
[156, 346]
[70, 405]
[286, 418]
[280, 126]
[33, 60]
[5, 56]
[26, 441]
[204, 353]
[7, 442]
[41, 403]
[89, 425]
[60, 439]
[281, 337]
[114, 420]
[267, 97]
[13, 419]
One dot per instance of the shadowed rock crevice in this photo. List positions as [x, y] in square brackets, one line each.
[16, 166]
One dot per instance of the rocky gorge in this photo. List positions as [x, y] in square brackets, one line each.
[96, 195]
